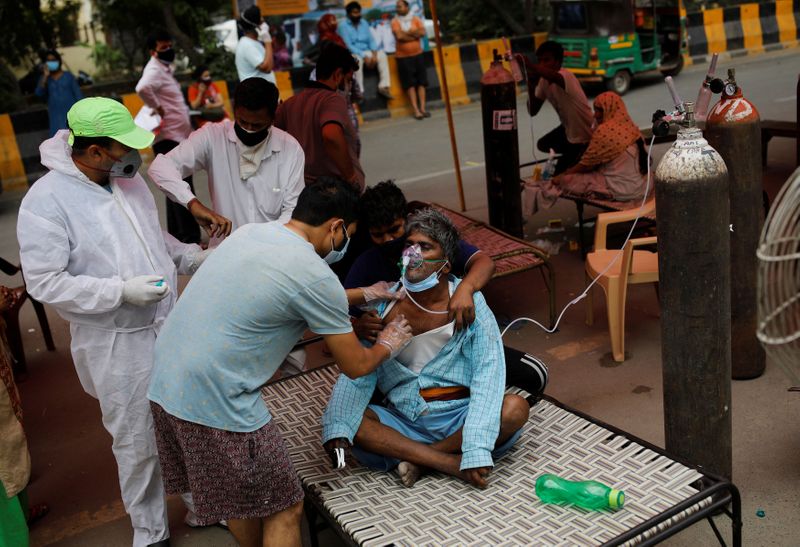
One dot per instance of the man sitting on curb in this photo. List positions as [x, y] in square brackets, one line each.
[358, 37]
[446, 405]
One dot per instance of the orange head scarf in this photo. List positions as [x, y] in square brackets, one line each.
[326, 28]
[614, 134]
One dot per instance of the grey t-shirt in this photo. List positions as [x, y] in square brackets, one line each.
[236, 321]
[303, 117]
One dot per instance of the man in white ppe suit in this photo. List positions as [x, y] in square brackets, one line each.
[255, 170]
[91, 246]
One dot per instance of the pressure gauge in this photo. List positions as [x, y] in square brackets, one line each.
[730, 89]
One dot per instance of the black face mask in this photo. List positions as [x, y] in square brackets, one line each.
[167, 55]
[248, 138]
[205, 80]
[354, 20]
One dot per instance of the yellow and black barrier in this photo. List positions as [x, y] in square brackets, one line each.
[743, 29]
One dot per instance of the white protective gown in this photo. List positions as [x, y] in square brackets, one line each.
[78, 244]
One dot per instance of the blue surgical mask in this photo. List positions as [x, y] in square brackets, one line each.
[428, 283]
[335, 256]
[53, 66]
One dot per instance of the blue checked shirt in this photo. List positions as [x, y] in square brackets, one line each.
[473, 358]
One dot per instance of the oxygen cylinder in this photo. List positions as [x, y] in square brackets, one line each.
[733, 128]
[691, 184]
[501, 148]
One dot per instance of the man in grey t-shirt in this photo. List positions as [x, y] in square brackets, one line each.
[317, 117]
[230, 331]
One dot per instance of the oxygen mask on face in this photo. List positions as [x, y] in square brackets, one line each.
[412, 258]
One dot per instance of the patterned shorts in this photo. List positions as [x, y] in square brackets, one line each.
[230, 475]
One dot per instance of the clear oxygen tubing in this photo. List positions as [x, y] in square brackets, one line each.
[530, 117]
[406, 261]
[610, 264]
[420, 306]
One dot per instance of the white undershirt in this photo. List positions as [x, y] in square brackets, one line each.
[424, 346]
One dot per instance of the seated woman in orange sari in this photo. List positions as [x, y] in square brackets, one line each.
[614, 165]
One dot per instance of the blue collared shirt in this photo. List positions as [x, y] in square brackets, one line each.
[473, 358]
[358, 38]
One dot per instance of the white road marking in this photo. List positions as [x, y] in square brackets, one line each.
[472, 165]
[785, 99]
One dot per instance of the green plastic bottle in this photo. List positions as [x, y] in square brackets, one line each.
[587, 494]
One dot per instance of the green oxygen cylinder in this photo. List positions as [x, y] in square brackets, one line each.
[591, 495]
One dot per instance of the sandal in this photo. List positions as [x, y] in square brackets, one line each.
[426, 114]
[419, 116]
[36, 512]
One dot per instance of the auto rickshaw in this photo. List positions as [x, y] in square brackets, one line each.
[611, 41]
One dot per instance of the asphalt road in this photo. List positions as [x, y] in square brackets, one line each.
[417, 153]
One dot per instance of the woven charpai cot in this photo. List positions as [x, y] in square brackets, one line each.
[510, 255]
[376, 509]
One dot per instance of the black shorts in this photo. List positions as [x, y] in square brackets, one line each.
[412, 71]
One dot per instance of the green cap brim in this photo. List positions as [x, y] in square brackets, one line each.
[137, 138]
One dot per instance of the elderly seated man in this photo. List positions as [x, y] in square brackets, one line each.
[446, 407]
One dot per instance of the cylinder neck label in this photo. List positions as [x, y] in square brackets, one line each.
[504, 120]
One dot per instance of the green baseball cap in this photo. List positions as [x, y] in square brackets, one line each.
[103, 117]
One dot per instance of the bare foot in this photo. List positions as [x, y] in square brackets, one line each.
[477, 476]
[409, 473]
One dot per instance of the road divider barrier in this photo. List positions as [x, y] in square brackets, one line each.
[743, 29]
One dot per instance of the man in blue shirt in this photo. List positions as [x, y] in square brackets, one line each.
[359, 40]
[446, 405]
[233, 326]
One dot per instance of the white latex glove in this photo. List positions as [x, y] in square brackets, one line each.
[263, 33]
[396, 335]
[143, 291]
[382, 291]
[199, 258]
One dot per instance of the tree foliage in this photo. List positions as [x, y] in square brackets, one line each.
[464, 20]
[24, 32]
[61, 18]
[128, 23]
